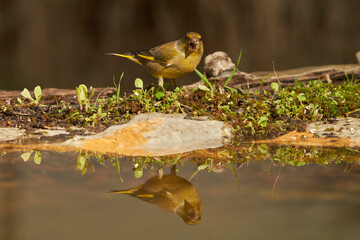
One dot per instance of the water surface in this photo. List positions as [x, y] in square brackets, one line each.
[54, 201]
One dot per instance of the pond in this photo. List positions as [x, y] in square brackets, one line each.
[66, 196]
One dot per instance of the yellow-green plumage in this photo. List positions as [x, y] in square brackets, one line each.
[171, 193]
[170, 60]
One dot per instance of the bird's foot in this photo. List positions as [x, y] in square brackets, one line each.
[160, 172]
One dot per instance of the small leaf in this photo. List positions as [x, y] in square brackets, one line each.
[139, 83]
[275, 87]
[204, 88]
[225, 108]
[138, 173]
[232, 90]
[301, 98]
[81, 162]
[263, 149]
[26, 156]
[37, 92]
[262, 119]
[202, 167]
[92, 92]
[159, 95]
[77, 92]
[83, 87]
[26, 94]
[37, 158]
[81, 93]
[204, 78]
[300, 163]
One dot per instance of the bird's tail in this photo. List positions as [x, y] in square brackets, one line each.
[129, 55]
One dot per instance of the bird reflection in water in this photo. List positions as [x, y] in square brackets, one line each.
[171, 193]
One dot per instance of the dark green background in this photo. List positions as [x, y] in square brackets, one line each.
[61, 43]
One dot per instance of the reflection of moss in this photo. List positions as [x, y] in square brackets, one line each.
[230, 157]
[37, 157]
[285, 155]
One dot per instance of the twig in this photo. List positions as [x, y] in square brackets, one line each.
[276, 180]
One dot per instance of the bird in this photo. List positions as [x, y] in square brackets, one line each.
[170, 60]
[171, 193]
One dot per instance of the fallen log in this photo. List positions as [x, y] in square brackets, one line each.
[218, 67]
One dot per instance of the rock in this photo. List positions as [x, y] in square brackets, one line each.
[156, 135]
[341, 128]
[9, 134]
[217, 63]
[339, 132]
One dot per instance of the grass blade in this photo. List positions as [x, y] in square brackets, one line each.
[233, 72]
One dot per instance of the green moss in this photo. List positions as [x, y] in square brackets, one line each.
[257, 115]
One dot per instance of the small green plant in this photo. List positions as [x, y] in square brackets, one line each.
[82, 96]
[228, 165]
[139, 84]
[26, 94]
[203, 87]
[117, 86]
[116, 164]
[82, 162]
[207, 165]
[37, 157]
[210, 87]
[139, 170]
[275, 87]
[232, 74]
[263, 121]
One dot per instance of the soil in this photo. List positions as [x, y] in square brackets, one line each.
[48, 114]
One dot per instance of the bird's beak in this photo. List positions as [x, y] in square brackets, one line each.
[193, 44]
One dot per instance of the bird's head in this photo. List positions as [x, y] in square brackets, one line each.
[191, 214]
[193, 42]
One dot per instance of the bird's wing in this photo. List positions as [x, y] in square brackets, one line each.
[165, 52]
[148, 55]
[160, 194]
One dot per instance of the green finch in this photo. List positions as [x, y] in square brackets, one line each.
[171, 193]
[170, 60]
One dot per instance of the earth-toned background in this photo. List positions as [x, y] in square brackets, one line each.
[61, 44]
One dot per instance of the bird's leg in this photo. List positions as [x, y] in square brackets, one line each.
[161, 82]
[173, 169]
[160, 172]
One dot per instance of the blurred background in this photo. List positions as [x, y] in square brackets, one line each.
[62, 43]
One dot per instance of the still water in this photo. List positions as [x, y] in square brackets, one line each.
[52, 200]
